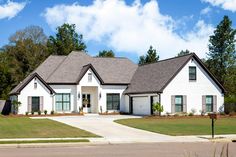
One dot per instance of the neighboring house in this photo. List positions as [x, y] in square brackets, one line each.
[68, 83]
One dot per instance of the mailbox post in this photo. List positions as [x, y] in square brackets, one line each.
[213, 117]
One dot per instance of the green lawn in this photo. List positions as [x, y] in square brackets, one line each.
[22, 127]
[44, 141]
[182, 126]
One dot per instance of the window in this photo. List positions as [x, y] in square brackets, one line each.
[63, 102]
[113, 101]
[209, 103]
[35, 85]
[89, 77]
[192, 73]
[178, 103]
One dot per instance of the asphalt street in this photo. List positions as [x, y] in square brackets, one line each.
[204, 149]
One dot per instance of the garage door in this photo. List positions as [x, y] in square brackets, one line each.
[141, 106]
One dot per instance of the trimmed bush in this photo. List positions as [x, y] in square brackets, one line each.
[230, 104]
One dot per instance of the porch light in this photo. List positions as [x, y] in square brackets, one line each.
[79, 95]
[100, 95]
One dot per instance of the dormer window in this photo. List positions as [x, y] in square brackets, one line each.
[192, 73]
[89, 77]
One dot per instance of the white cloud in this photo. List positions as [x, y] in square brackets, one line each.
[130, 28]
[225, 4]
[10, 9]
[205, 11]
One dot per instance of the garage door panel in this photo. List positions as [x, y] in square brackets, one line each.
[141, 106]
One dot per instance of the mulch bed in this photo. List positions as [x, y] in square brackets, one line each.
[43, 115]
[186, 117]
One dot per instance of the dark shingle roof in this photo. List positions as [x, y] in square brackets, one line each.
[152, 78]
[22, 84]
[67, 69]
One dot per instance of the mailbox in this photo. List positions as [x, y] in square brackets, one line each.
[213, 116]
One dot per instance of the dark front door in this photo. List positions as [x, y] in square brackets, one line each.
[35, 104]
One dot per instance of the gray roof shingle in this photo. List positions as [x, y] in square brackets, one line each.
[152, 78]
[67, 69]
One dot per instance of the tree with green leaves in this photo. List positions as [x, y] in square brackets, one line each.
[182, 52]
[26, 50]
[157, 107]
[222, 54]
[106, 53]
[150, 57]
[5, 76]
[66, 40]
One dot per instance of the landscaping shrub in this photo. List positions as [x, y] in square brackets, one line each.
[158, 108]
[230, 104]
[52, 112]
[191, 114]
[26, 113]
[45, 112]
[32, 112]
[39, 112]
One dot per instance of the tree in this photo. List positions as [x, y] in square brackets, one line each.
[66, 40]
[16, 104]
[26, 50]
[34, 33]
[222, 53]
[157, 107]
[182, 52]
[5, 76]
[150, 57]
[106, 53]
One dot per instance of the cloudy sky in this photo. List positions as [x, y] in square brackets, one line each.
[128, 27]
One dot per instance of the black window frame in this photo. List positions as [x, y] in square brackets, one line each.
[207, 104]
[62, 101]
[192, 75]
[112, 101]
[182, 103]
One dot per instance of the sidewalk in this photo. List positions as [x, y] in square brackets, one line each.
[95, 141]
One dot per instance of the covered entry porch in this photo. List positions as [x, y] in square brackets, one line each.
[89, 99]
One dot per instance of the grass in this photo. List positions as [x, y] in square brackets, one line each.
[23, 127]
[182, 126]
[44, 141]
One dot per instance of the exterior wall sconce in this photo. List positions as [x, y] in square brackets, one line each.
[78, 95]
[100, 95]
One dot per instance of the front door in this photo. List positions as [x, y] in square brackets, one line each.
[86, 101]
[35, 104]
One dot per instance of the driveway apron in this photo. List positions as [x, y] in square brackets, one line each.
[117, 133]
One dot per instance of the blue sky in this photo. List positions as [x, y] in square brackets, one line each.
[127, 27]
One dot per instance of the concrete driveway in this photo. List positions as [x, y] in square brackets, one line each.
[116, 133]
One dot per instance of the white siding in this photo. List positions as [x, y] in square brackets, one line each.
[105, 89]
[67, 89]
[181, 85]
[101, 90]
[29, 90]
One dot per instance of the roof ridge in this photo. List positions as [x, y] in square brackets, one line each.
[190, 54]
[111, 57]
[56, 68]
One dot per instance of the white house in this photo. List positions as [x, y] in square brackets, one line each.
[95, 84]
